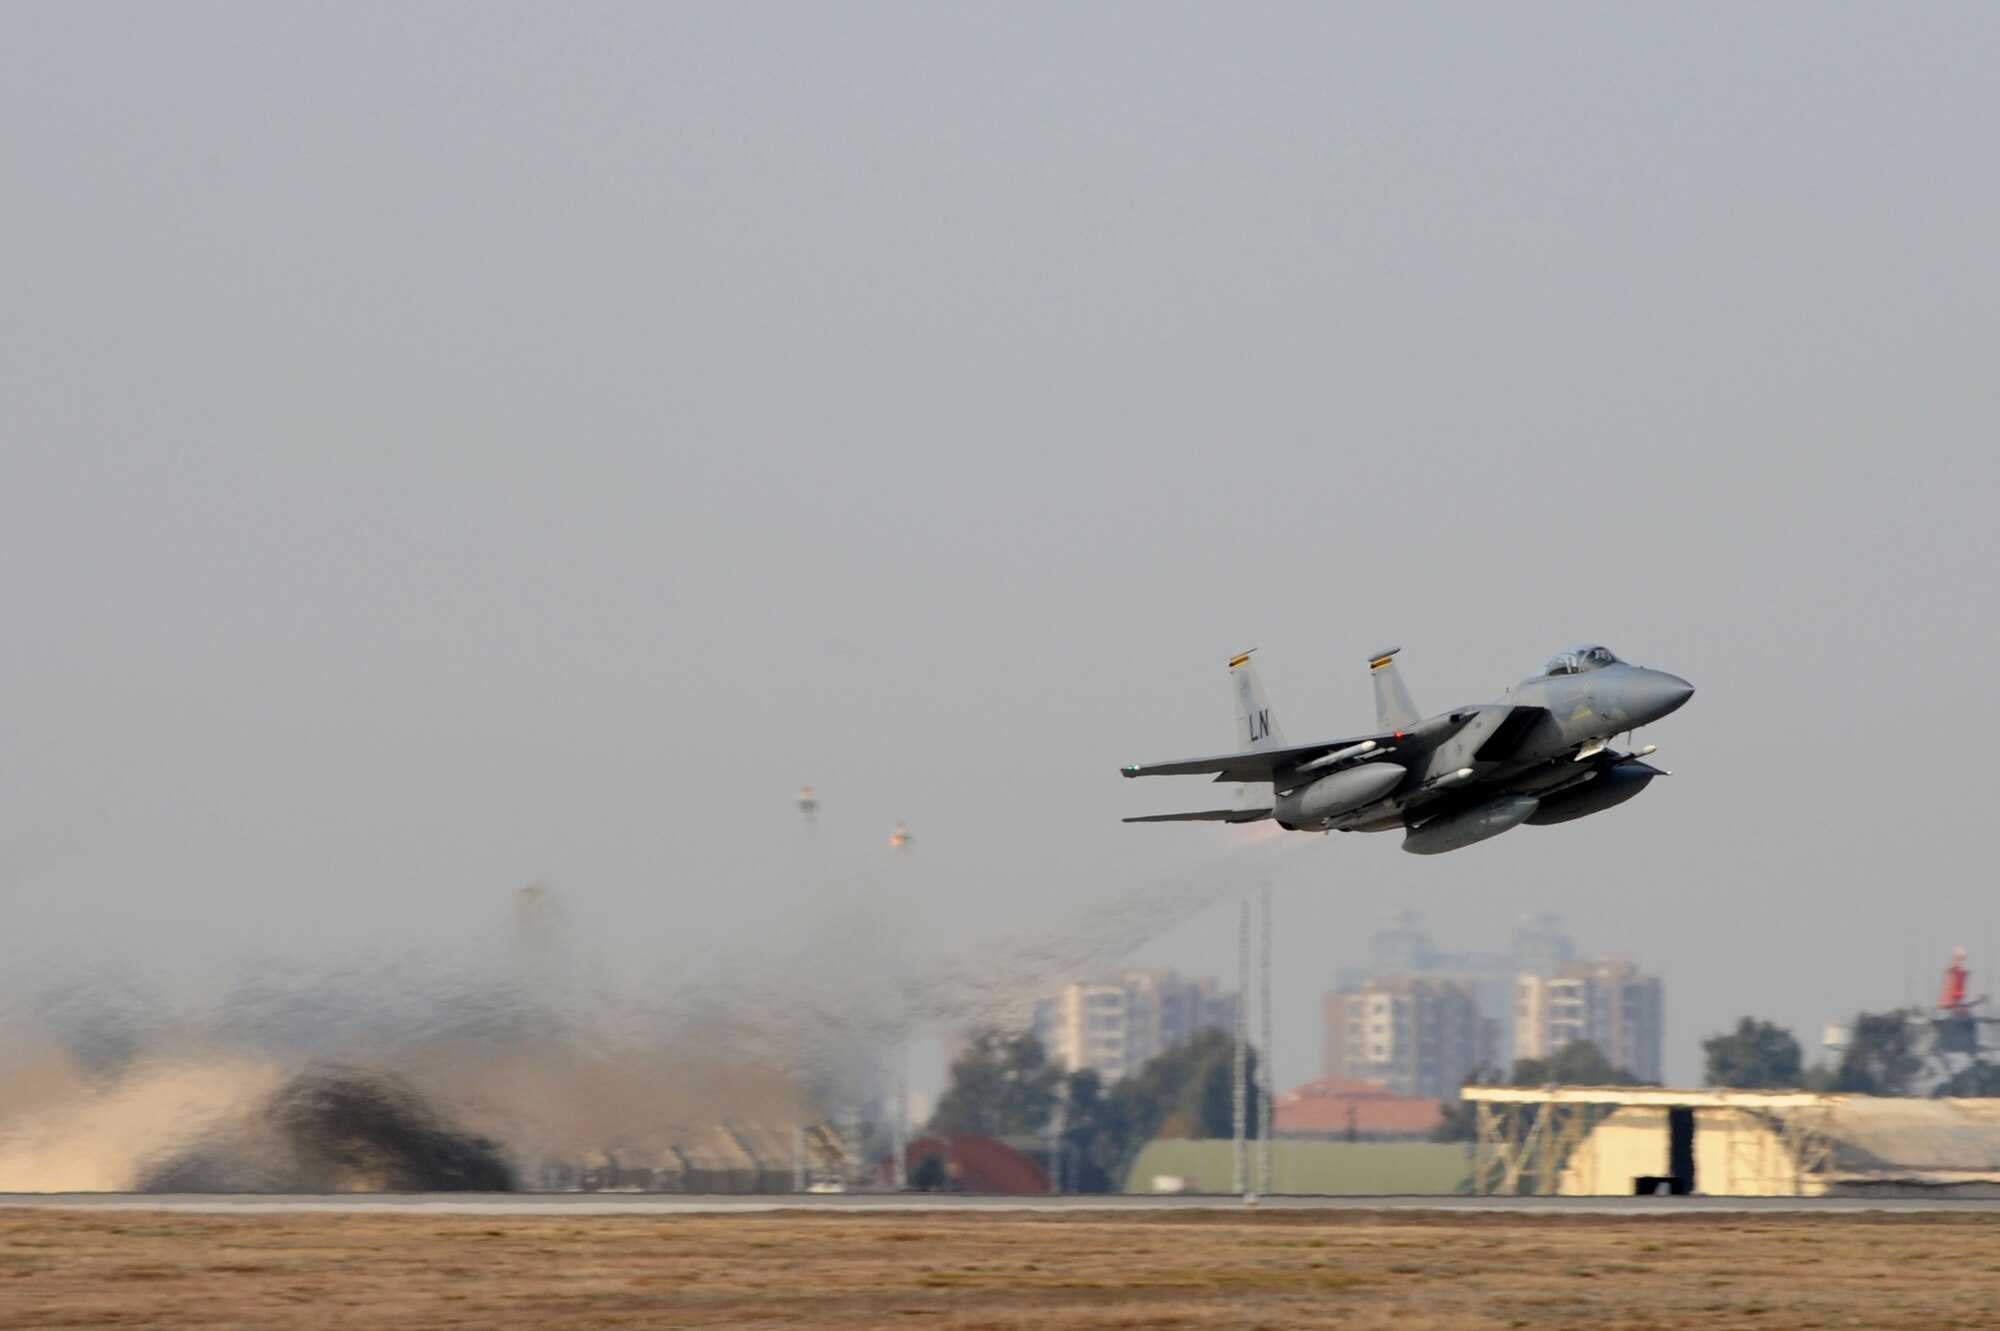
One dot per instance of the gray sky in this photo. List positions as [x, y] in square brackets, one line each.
[447, 446]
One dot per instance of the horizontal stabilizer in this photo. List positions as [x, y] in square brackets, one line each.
[1206, 816]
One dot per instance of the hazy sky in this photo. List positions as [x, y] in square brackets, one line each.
[452, 445]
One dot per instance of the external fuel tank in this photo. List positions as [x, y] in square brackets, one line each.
[1310, 806]
[1611, 787]
[1477, 823]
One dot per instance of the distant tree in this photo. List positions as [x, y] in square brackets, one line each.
[1881, 1057]
[1186, 1091]
[1974, 1081]
[1092, 1126]
[1195, 1082]
[1458, 1122]
[930, 1174]
[1085, 1107]
[1757, 1055]
[1001, 1086]
[1578, 1063]
[1460, 1119]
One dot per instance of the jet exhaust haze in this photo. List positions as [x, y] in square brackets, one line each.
[480, 1067]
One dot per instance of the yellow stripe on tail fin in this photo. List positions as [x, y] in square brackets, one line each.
[1256, 725]
[1393, 708]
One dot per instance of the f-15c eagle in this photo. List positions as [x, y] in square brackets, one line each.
[1541, 754]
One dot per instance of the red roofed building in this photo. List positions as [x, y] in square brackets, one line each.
[977, 1164]
[1340, 1107]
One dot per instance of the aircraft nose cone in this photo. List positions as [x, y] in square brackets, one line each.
[1651, 694]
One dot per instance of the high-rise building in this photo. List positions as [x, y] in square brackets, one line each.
[1405, 950]
[1608, 1002]
[1416, 1036]
[1115, 1025]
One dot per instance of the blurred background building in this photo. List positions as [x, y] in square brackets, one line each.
[1417, 1037]
[1116, 1024]
[1417, 1019]
[1406, 950]
[1350, 1109]
[1607, 1002]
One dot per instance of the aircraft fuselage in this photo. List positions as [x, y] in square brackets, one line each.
[1578, 712]
[1540, 754]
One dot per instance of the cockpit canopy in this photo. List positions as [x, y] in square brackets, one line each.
[1579, 659]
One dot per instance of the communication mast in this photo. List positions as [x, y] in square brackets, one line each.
[1264, 1108]
[899, 1128]
[1951, 1003]
[1957, 1028]
[1239, 1119]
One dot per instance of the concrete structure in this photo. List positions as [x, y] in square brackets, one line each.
[1346, 1107]
[1418, 1037]
[1613, 1141]
[1608, 1002]
[1116, 1025]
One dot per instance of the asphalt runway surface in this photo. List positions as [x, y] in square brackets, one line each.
[603, 1203]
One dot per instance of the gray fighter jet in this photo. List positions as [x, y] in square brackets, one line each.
[1542, 754]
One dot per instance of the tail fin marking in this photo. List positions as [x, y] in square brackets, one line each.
[1393, 708]
[1256, 726]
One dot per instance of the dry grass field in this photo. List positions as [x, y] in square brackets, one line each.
[1410, 1271]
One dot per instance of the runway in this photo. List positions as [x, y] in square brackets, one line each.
[666, 1204]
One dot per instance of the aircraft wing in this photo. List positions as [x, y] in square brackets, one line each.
[1206, 816]
[1256, 765]
[1261, 764]
[1507, 732]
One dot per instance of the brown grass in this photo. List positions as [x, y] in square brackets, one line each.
[998, 1271]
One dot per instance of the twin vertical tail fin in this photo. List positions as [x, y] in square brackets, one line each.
[1256, 726]
[1393, 708]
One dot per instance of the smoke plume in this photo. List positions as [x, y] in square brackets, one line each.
[491, 1067]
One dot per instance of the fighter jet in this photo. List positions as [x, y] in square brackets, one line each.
[1542, 754]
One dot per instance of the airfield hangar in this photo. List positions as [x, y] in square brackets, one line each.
[1606, 1141]
[731, 1157]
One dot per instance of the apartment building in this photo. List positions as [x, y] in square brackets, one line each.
[1417, 1036]
[1607, 1001]
[1115, 1025]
